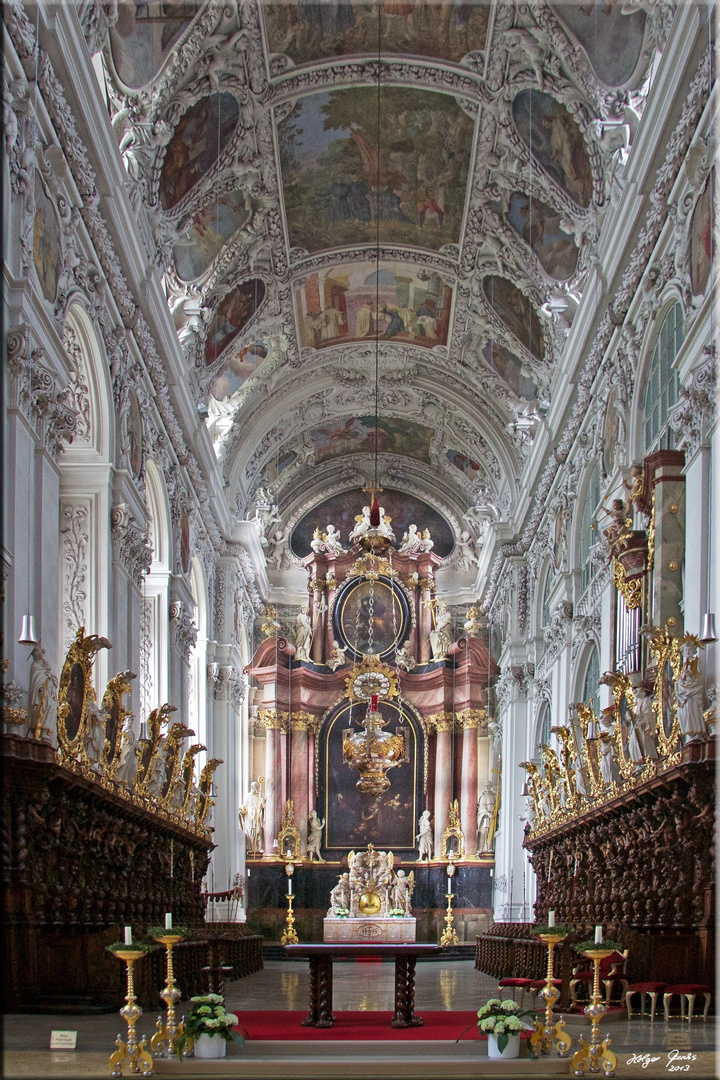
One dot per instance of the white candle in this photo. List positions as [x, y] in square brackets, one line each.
[168, 920]
[143, 729]
[128, 935]
[551, 918]
[290, 886]
[598, 935]
[449, 884]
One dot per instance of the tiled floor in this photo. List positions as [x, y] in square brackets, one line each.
[284, 985]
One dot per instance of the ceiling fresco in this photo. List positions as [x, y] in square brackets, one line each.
[307, 30]
[341, 190]
[350, 165]
[403, 509]
[356, 301]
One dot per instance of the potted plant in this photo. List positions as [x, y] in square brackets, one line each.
[500, 1021]
[207, 1028]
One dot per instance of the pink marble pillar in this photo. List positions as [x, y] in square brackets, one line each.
[329, 600]
[469, 785]
[298, 780]
[272, 783]
[318, 614]
[426, 625]
[443, 779]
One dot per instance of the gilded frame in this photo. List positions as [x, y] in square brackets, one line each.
[75, 694]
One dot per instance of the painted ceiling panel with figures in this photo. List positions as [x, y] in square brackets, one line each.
[342, 189]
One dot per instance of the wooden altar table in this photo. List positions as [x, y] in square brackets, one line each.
[321, 961]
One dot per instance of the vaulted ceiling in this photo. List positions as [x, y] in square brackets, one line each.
[333, 185]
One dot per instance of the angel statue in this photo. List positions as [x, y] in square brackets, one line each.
[315, 828]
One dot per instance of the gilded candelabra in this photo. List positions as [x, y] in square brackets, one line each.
[130, 1050]
[289, 934]
[449, 935]
[595, 1056]
[167, 1031]
[546, 1031]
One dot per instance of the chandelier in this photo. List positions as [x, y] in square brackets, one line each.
[372, 750]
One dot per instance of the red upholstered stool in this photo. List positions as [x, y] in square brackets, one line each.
[511, 984]
[536, 986]
[652, 989]
[689, 991]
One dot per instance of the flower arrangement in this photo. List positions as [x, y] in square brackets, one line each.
[397, 911]
[502, 1019]
[560, 929]
[137, 946]
[341, 912]
[207, 1016]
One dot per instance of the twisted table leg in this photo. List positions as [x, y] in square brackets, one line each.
[399, 1019]
[312, 1017]
[325, 987]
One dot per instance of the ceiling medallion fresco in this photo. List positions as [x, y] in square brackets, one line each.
[404, 509]
[197, 143]
[352, 302]
[244, 364]
[509, 368]
[358, 434]
[306, 30]
[516, 312]
[209, 231]
[555, 141]
[611, 36]
[329, 164]
[232, 316]
[539, 225]
[144, 34]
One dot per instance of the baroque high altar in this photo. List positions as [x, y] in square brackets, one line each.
[372, 727]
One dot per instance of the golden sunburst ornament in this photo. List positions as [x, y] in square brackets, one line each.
[371, 677]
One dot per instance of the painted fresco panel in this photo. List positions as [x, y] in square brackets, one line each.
[354, 819]
[701, 231]
[234, 313]
[244, 364]
[305, 30]
[516, 311]
[46, 242]
[404, 509]
[198, 140]
[354, 302]
[465, 464]
[510, 370]
[611, 37]
[329, 159]
[208, 232]
[555, 141]
[539, 226]
[144, 32]
[361, 435]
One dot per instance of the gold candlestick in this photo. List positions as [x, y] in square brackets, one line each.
[130, 1050]
[167, 1032]
[594, 1054]
[545, 1033]
[449, 935]
[289, 935]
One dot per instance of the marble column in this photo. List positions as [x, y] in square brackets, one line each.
[426, 624]
[272, 782]
[299, 777]
[443, 779]
[469, 783]
[669, 491]
[318, 614]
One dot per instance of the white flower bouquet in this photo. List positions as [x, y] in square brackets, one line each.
[502, 1019]
[207, 1016]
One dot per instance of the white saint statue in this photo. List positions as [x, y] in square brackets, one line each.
[127, 770]
[606, 724]
[401, 891]
[441, 636]
[411, 541]
[252, 817]
[156, 772]
[362, 524]
[645, 720]
[332, 539]
[466, 555]
[424, 837]
[404, 658]
[42, 693]
[315, 828]
[303, 635]
[486, 805]
[689, 693]
[337, 656]
[94, 741]
[340, 894]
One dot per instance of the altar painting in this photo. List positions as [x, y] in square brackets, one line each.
[361, 434]
[555, 141]
[354, 302]
[233, 314]
[144, 31]
[539, 226]
[199, 139]
[208, 232]
[307, 30]
[516, 311]
[404, 509]
[330, 168]
[353, 819]
[611, 37]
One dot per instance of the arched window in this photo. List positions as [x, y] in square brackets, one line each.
[588, 527]
[155, 630]
[543, 727]
[591, 682]
[663, 386]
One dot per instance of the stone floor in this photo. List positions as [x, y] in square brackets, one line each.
[284, 985]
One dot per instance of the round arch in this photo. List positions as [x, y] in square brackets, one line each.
[159, 528]
[90, 386]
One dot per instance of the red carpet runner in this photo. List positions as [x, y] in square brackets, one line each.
[364, 1026]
